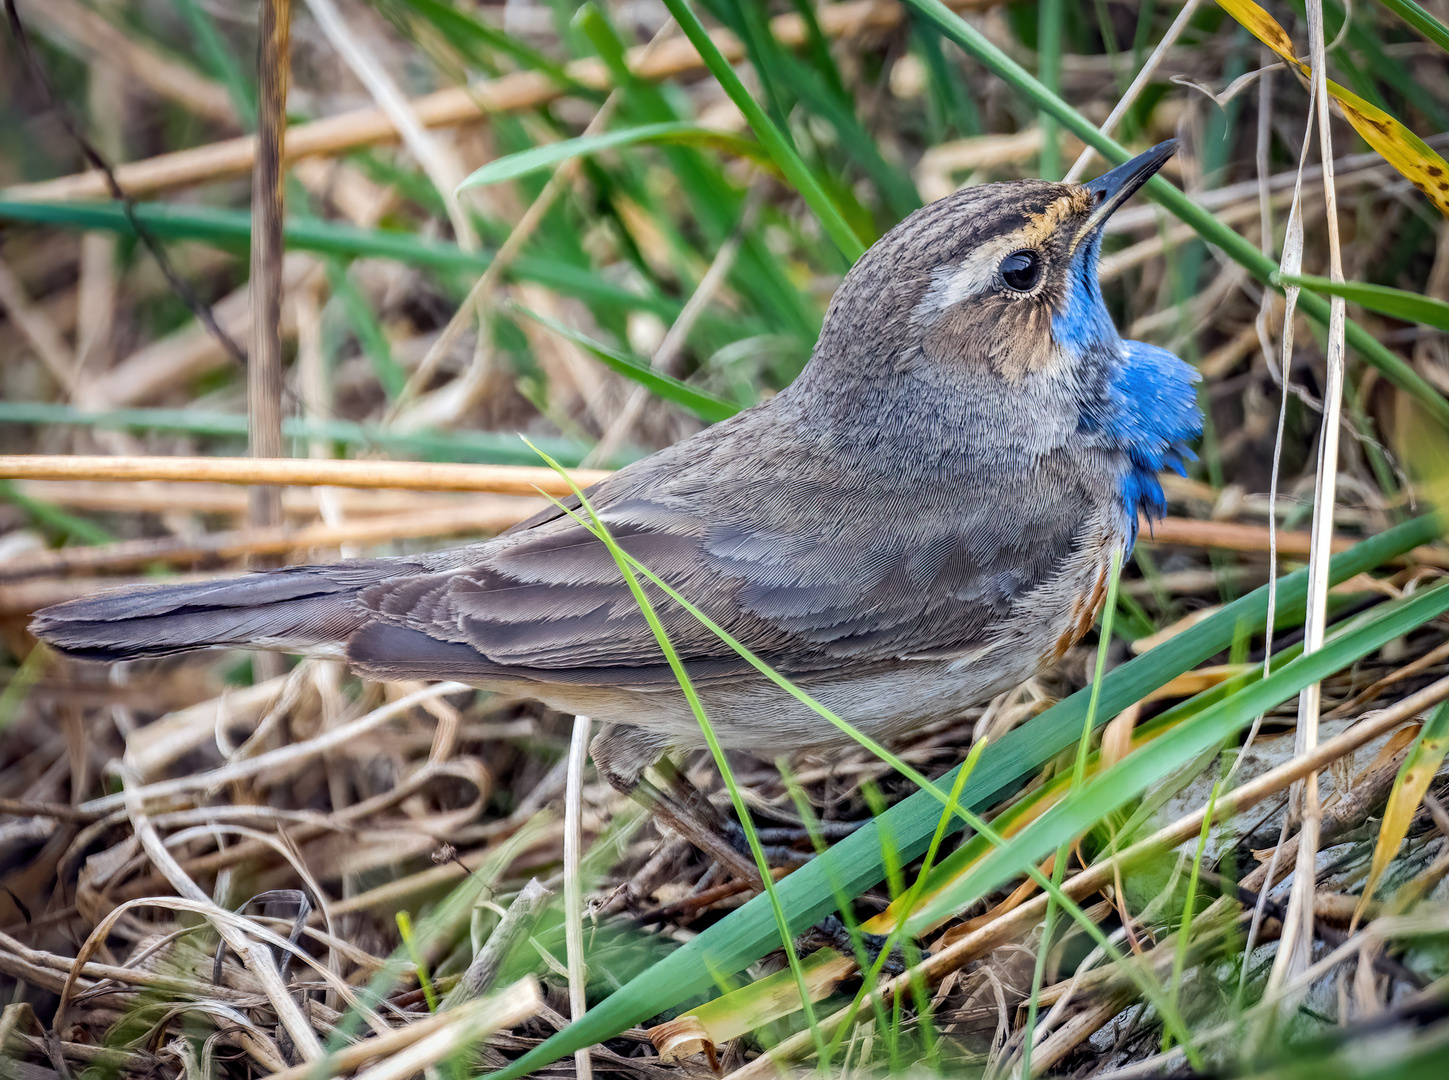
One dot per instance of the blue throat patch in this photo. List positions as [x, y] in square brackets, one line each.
[1154, 417]
[1150, 408]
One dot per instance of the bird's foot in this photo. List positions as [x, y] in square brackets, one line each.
[777, 844]
[833, 932]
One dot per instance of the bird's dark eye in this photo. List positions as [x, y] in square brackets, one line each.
[1021, 270]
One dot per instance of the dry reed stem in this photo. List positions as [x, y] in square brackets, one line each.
[157, 497]
[1100, 875]
[1296, 947]
[466, 1024]
[573, 853]
[264, 364]
[493, 516]
[459, 105]
[415, 476]
[523, 480]
[420, 476]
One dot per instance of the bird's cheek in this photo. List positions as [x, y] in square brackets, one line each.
[1009, 339]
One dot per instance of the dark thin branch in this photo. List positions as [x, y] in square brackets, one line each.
[98, 161]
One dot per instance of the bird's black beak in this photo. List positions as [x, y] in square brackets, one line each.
[1116, 187]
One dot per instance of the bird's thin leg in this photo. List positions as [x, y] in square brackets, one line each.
[624, 754]
[686, 810]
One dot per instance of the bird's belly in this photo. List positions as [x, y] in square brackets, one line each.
[756, 715]
[881, 700]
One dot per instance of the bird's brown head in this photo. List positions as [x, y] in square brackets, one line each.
[1001, 277]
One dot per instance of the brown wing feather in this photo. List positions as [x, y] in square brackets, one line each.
[807, 572]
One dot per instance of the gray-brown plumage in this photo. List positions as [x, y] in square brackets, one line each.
[924, 518]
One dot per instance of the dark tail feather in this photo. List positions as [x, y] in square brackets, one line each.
[306, 609]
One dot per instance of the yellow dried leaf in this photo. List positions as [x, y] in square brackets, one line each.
[1399, 146]
[1422, 762]
[1262, 26]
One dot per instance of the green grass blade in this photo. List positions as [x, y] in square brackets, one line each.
[1431, 28]
[1049, 70]
[737, 798]
[705, 406]
[232, 229]
[222, 61]
[480, 447]
[1396, 303]
[362, 321]
[552, 154]
[772, 137]
[855, 863]
[54, 518]
[1079, 772]
[1130, 777]
[477, 40]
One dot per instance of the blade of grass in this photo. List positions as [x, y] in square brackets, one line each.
[686, 685]
[891, 863]
[551, 154]
[1396, 303]
[1079, 770]
[231, 229]
[1049, 70]
[54, 518]
[705, 406]
[774, 140]
[1184, 930]
[482, 43]
[1399, 146]
[1135, 773]
[1415, 775]
[369, 332]
[1431, 28]
[221, 60]
[715, 202]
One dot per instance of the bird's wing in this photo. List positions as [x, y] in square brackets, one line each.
[807, 574]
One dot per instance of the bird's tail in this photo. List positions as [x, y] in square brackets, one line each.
[304, 609]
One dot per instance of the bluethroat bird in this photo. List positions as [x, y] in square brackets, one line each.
[924, 518]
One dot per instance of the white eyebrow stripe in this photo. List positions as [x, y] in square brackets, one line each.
[973, 276]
